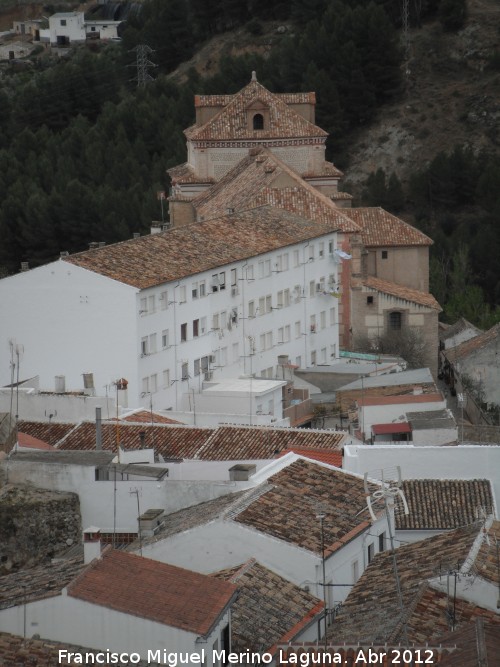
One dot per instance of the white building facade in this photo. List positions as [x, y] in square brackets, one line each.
[166, 340]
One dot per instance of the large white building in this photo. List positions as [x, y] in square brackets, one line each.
[172, 310]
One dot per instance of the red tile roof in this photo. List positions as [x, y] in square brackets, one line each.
[288, 508]
[251, 183]
[28, 441]
[444, 504]
[380, 228]
[50, 432]
[400, 292]
[145, 417]
[468, 347]
[333, 458]
[155, 591]
[269, 609]
[383, 429]
[223, 100]
[183, 251]
[477, 644]
[404, 399]
[231, 121]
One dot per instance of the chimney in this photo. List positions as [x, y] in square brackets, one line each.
[98, 430]
[91, 544]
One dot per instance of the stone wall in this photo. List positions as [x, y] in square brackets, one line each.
[36, 525]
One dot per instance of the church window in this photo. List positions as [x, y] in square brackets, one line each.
[258, 121]
[395, 320]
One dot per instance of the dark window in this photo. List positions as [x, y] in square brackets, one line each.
[371, 552]
[63, 21]
[196, 324]
[184, 330]
[258, 121]
[381, 542]
[184, 371]
[369, 300]
[395, 321]
[384, 254]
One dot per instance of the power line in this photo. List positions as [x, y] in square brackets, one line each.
[142, 64]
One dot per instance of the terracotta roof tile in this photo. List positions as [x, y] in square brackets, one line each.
[288, 508]
[371, 611]
[250, 184]
[380, 228]
[29, 442]
[251, 442]
[333, 458]
[183, 173]
[400, 292]
[478, 644]
[457, 327]
[223, 100]
[156, 591]
[19, 652]
[269, 609]
[402, 399]
[231, 121]
[468, 347]
[145, 417]
[184, 251]
[52, 433]
[444, 504]
[37, 583]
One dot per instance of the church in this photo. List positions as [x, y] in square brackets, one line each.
[257, 148]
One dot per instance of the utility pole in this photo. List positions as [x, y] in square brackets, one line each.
[142, 63]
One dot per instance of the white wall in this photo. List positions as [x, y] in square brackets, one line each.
[461, 462]
[385, 414]
[69, 321]
[223, 544]
[435, 436]
[74, 29]
[34, 406]
[97, 498]
[72, 621]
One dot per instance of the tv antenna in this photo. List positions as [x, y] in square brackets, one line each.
[390, 489]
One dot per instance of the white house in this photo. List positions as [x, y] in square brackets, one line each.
[66, 28]
[127, 604]
[168, 311]
[304, 512]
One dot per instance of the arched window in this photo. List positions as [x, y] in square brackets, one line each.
[395, 321]
[258, 121]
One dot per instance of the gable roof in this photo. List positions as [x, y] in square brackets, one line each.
[18, 651]
[381, 228]
[155, 591]
[444, 504]
[269, 609]
[184, 251]
[401, 292]
[231, 121]
[172, 441]
[289, 503]
[458, 327]
[37, 583]
[49, 432]
[141, 416]
[468, 347]
[249, 184]
[371, 611]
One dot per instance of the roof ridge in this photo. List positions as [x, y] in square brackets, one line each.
[241, 504]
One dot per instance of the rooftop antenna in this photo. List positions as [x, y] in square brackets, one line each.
[390, 490]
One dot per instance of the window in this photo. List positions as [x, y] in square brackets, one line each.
[322, 319]
[287, 333]
[203, 326]
[280, 335]
[258, 121]
[202, 288]
[313, 358]
[197, 367]
[236, 352]
[321, 250]
[381, 542]
[369, 300]
[151, 304]
[194, 291]
[298, 332]
[144, 346]
[286, 297]
[395, 321]
[251, 309]
[145, 385]
[250, 275]
[384, 254]
[163, 300]
[184, 332]
[355, 571]
[92, 29]
[153, 384]
[269, 340]
[296, 258]
[262, 342]
[182, 294]
[311, 253]
[233, 278]
[333, 351]
[63, 21]
[312, 324]
[269, 303]
[166, 379]
[298, 361]
[184, 371]
[332, 316]
[270, 407]
[215, 321]
[279, 301]
[164, 339]
[297, 293]
[143, 306]
[265, 268]
[371, 552]
[323, 355]
[152, 343]
[196, 328]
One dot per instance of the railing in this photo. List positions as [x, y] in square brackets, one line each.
[299, 412]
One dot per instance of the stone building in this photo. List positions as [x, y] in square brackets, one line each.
[257, 148]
